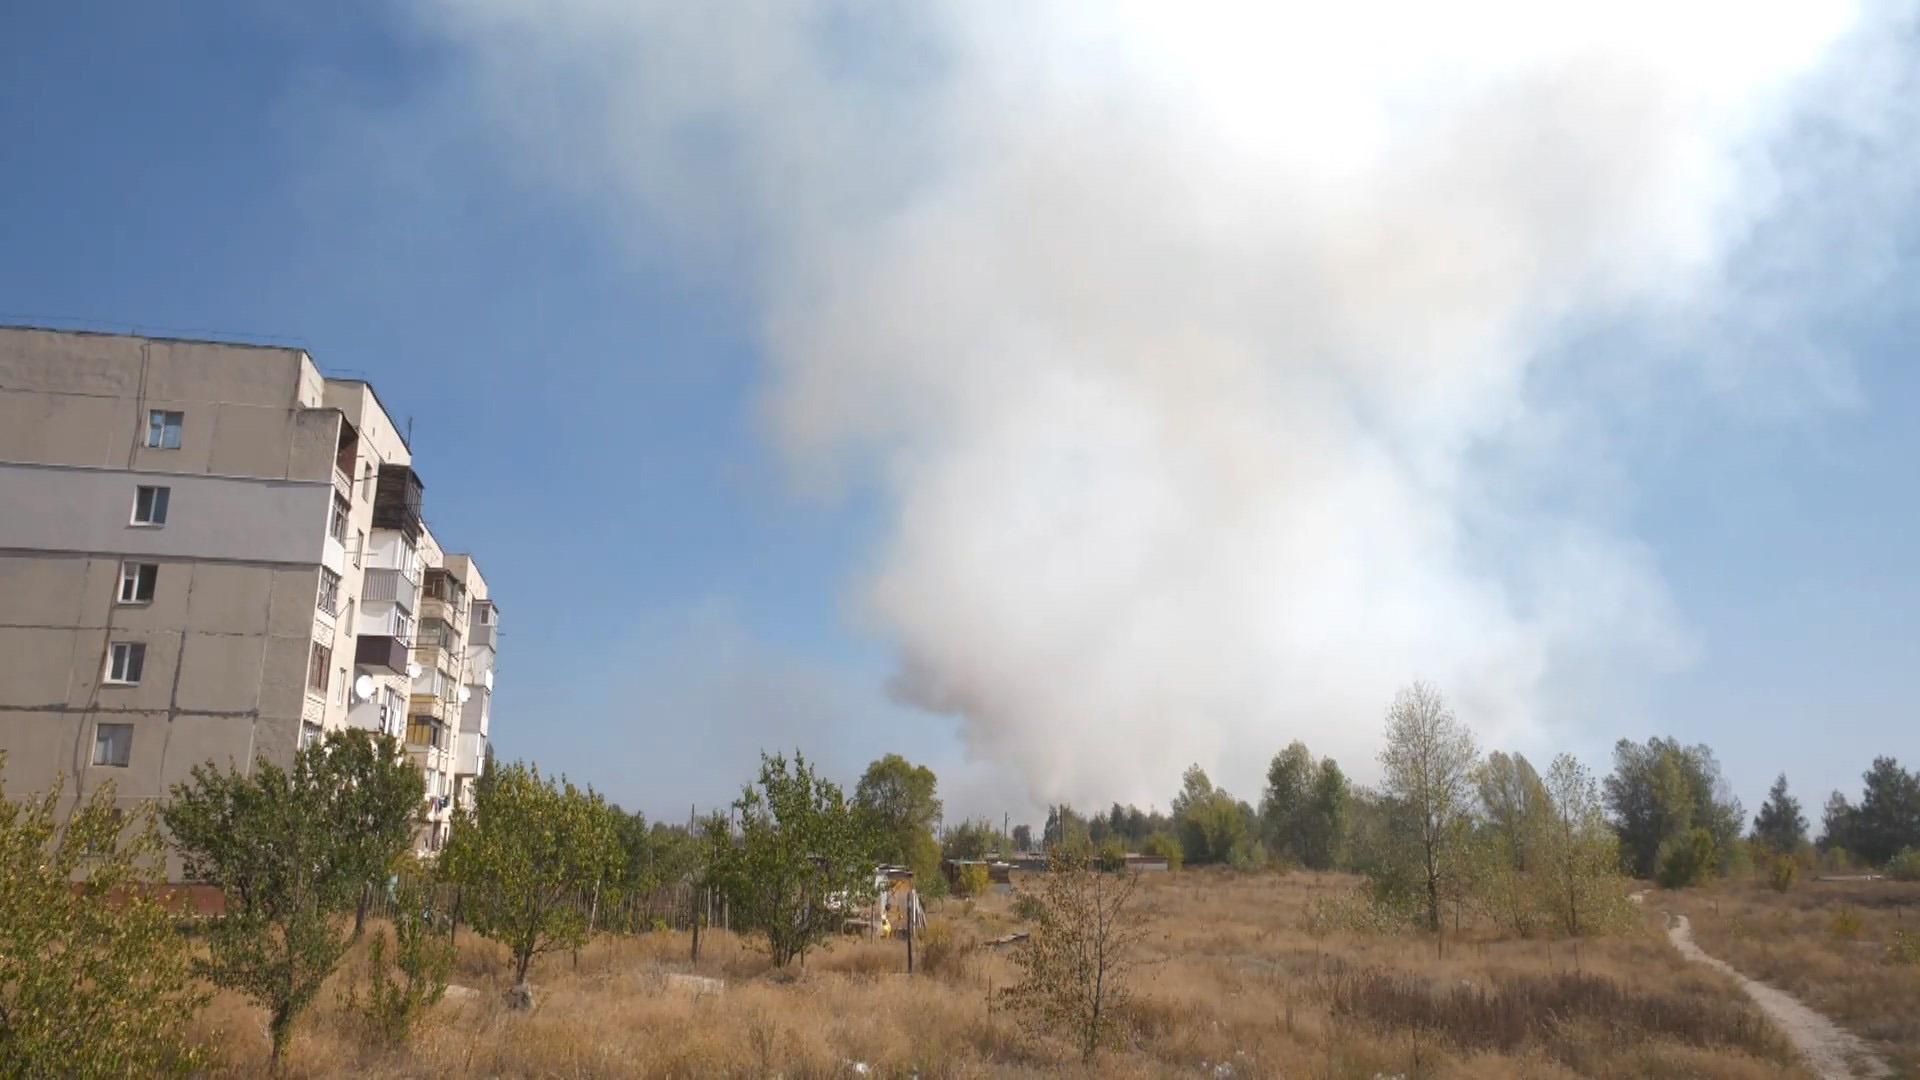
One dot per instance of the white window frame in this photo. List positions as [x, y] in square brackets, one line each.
[130, 577]
[164, 425]
[157, 498]
[338, 518]
[403, 627]
[124, 659]
[328, 599]
[124, 743]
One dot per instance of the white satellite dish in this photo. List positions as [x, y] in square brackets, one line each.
[413, 671]
[363, 688]
[488, 678]
[465, 694]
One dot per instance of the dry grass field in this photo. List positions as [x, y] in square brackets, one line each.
[1234, 983]
[1831, 944]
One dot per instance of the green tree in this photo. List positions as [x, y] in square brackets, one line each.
[1285, 804]
[1065, 828]
[1577, 855]
[1837, 825]
[94, 980]
[1514, 804]
[529, 858]
[1686, 858]
[378, 794]
[803, 859]
[289, 848]
[1323, 829]
[1780, 826]
[1023, 838]
[900, 805]
[1076, 963]
[1165, 845]
[1429, 762]
[1887, 821]
[972, 839]
[1663, 790]
[1213, 826]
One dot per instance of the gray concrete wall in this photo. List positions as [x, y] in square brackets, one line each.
[52, 508]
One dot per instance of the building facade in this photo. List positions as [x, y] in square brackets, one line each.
[212, 553]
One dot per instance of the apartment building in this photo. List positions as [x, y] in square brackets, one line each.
[211, 552]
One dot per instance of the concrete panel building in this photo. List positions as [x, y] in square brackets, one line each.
[211, 552]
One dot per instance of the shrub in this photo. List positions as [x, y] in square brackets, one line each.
[1845, 924]
[1686, 859]
[1112, 856]
[1165, 845]
[1905, 948]
[1075, 964]
[1905, 866]
[423, 957]
[1027, 906]
[1782, 872]
[943, 952]
[94, 980]
[971, 880]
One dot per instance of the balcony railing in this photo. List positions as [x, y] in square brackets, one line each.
[381, 651]
[342, 484]
[480, 636]
[398, 586]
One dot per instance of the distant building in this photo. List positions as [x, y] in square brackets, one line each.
[211, 552]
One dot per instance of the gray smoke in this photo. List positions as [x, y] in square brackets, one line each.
[1215, 359]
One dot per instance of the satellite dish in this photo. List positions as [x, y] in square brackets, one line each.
[363, 688]
[465, 694]
[488, 678]
[413, 671]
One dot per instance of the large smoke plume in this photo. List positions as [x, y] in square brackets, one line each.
[1214, 360]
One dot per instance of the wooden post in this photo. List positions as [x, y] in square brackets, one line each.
[909, 933]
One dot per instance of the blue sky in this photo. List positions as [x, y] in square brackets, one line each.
[606, 377]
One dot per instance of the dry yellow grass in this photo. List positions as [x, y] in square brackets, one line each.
[1827, 943]
[1233, 985]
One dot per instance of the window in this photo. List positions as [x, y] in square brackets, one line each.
[113, 744]
[317, 665]
[125, 661]
[337, 522]
[136, 582]
[309, 734]
[360, 552]
[340, 688]
[163, 429]
[403, 627]
[150, 505]
[329, 591]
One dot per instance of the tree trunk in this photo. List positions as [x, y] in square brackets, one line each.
[360, 910]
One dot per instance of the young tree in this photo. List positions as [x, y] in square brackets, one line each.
[420, 954]
[1837, 824]
[972, 839]
[94, 979]
[1514, 803]
[1577, 855]
[1082, 949]
[290, 849]
[526, 857]
[1065, 828]
[802, 861]
[378, 795]
[1780, 826]
[1429, 762]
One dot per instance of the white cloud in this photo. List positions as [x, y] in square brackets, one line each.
[1195, 346]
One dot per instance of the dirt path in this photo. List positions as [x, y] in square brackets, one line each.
[1833, 1052]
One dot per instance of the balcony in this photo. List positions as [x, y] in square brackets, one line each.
[432, 706]
[399, 586]
[381, 651]
[396, 500]
[480, 636]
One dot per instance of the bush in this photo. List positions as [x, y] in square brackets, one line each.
[1905, 866]
[1905, 948]
[1845, 924]
[423, 957]
[1165, 845]
[1686, 859]
[1027, 907]
[94, 979]
[1075, 966]
[1112, 856]
[971, 880]
[943, 952]
[1782, 872]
